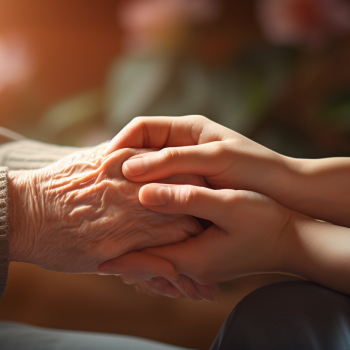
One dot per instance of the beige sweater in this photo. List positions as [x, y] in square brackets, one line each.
[20, 155]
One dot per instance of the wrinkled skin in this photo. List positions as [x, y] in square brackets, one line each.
[81, 211]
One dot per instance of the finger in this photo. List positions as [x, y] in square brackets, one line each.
[208, 292]
[187, 287]
[139, 267]
[213, 205]
[160, 286]
[133, 278]
[194, 258]
[178, 160]
[141, 288]
[143, 266]
[160, 132]
[182, 286]
[112, 164]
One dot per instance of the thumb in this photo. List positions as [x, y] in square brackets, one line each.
[201, 202]
[141, 266]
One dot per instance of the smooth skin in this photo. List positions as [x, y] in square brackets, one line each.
[260, 204]
[228, 160]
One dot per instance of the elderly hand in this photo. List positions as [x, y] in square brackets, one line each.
[81, 211]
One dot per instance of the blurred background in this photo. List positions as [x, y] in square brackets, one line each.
[75, 72]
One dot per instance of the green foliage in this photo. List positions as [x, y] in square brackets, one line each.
[336, 109]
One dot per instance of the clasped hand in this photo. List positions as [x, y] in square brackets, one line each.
[248, 229]
[129, 209]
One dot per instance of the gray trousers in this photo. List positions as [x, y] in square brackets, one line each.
[281, 316]
[288, 316]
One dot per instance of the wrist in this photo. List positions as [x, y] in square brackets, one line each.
[287, 182]
[290, 252]
[21, 215]
[306, 246]
[317, 251]
[320, 189]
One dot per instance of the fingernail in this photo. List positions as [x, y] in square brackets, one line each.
[135, 167]
[156, 195]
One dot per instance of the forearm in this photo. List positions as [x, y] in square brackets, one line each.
[319, 252]
[317, 188]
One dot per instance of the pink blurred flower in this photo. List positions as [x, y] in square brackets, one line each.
[146, 21]
[310, 23]
[15, 62]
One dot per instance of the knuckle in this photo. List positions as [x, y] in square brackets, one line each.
[197, 123]
[168, 154]
[198, 118]
[232, 200]
[238, 198]
[138, 120]
[187, 197]
[222, 151]
[138, 123]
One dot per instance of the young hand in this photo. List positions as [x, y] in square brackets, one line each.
[247, 236]
[318, 188]
[196, 145]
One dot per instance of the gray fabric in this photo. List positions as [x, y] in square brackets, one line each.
[28, 154]
[20, 337]
[288, 315]
[4, 231]
[20, 155]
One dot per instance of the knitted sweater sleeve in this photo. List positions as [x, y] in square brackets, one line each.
[20, 155]
[4, 230]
